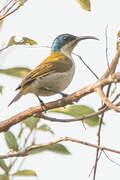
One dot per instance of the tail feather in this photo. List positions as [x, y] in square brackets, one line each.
[15, 98]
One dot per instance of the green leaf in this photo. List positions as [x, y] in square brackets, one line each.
[85, 4]
[56, 148]
[25, 173]
[78, 110]
[1, 88]
[3, 165]
[11, 140]
[45, 128]
[31, 122]
[16, 71]
[4, 177]
[23, 41]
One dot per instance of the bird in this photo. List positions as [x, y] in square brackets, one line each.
[55, 73]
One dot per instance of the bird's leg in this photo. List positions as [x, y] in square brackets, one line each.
[54, 91]
[42, 103]
[62, 94]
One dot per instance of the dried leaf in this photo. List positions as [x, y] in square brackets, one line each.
[85, 4]
[23, 41]
[118, 40]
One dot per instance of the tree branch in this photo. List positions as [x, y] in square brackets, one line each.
[26, 151]
[6, 124]
[9, 11]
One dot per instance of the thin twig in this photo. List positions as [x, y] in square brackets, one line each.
[112, 66]
[3, 9]
[110, 159]
[26, 151]
[97, 151]
[81, 118]
[7, 13]
[107, 47]
[106, 100]
[94, 165]
[86, 66]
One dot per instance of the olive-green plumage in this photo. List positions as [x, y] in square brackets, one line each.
[55, 73]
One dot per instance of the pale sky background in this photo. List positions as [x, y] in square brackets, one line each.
[43, 21]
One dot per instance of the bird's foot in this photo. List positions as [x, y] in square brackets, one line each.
[42, 104]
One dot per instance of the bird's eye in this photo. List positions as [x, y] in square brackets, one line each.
[65, 38]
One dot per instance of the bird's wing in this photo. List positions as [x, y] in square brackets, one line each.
[47, 67]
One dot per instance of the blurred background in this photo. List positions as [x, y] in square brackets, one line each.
[42, 21]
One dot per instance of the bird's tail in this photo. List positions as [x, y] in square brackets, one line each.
[16, 98]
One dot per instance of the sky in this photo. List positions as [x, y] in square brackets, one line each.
[42, 21]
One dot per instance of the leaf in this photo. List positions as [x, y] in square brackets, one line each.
[11, 41]
[31, 122]
[3, 165]
[56, 148]
[118, 40]
[1, 88]
[4, 177]
[25, 173]
[45, 128]
[113, 91]
[22, 2]
[16, 71]
[11, 140]
[1, 24]
[28, 41]
[85, 4]
[78, 110]
[23, 41]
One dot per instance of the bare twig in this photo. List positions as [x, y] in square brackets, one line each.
[97, 151]
[26, 151]
[3, 9]
[110, 70]
[86, 65]
[107, 46]
[110, 159]
[106, 100]
[112, 66]
[10, 9]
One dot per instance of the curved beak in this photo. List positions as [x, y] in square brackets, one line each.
[86, 37]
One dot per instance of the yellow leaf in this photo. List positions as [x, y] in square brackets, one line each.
[118, 40]
[85, 4]
[1, 23]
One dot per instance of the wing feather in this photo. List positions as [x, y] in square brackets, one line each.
[48, 66]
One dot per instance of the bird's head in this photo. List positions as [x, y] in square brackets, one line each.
[65, 43]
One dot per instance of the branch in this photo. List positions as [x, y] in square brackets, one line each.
[26, 151]
[106, 100]
[36, 111]
[112, 66]
[9, 11]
